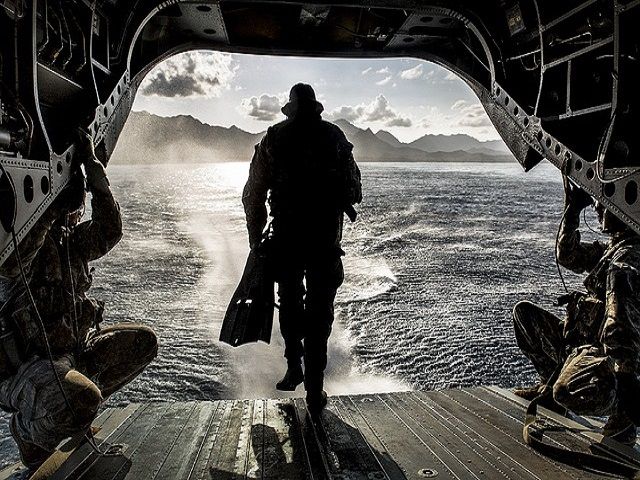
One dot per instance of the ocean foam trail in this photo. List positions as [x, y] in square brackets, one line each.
[343, 375]
[256, 368]
[366, 278]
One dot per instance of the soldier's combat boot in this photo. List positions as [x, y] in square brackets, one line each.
[292, 378]
[620, 428]
[316, 401]
[529, 393]
[31, 455]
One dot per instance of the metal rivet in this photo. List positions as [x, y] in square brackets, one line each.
[428, 473]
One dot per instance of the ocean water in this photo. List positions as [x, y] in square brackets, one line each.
[439, 255]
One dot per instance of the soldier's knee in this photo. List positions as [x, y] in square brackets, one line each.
[316, 335]
[146, 343]
[522, 311]
[84, 397]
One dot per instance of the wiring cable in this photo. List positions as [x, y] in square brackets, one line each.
[76, 333]
[535, 66]
[24, 114]
[564, 216]
[542, 65]
[602, 148]
[584, 218]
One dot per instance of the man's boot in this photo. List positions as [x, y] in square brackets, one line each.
[530, 393]
[292, 378]
[316, 396]
[316, 401]
[31, 455]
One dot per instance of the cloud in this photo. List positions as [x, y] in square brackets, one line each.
[378, 110]
[348, 113]
[399, 122]
[265, 107]
[412, 73]
[190, 74]
[385, 80]
[384, 71]
[367, 70]
[470, 115]
[433, 117]
[435, 76]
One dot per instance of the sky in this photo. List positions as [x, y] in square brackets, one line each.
[406, 97]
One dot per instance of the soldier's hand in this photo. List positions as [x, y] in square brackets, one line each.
[96, 174]
[254, 243]
[575, 197]
[84, 145]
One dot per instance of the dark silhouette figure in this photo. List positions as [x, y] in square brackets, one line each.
[306, 168]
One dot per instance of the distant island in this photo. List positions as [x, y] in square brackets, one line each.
[149, 139]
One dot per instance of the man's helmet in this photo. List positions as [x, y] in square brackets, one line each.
[71, 199]
[302, 99]
[608, 221]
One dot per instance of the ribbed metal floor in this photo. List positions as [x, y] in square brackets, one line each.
[451, 434]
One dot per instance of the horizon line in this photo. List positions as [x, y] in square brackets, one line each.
[333, 121]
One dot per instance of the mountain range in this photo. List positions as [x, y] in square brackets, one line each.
[148, 138]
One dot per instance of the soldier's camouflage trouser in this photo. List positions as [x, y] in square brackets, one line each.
[306, 314]
[585, 381]
[111, 359]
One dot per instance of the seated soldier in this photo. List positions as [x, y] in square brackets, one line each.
[592, 357]
[90, 363]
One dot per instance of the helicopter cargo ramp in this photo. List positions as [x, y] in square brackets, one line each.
[471, 433]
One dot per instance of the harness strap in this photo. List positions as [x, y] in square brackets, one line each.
[533, 436]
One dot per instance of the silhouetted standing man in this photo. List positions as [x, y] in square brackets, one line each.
[306, 167]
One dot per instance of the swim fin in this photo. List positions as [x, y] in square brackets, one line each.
[249, 316]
